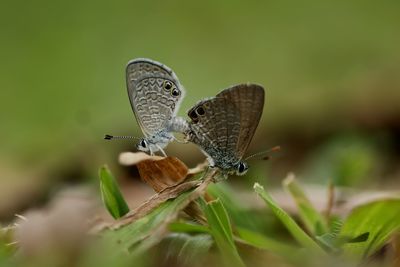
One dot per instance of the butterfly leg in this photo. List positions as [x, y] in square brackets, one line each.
[151, 152]
[162, 151]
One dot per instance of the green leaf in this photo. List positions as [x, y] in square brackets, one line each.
[221, 230]
[380, 219]
[334, 242]
[238, 210]
[290, 224]
[262, 242]
[7, 247]
[141, 231]
[111, 195]
[149, 223]
[329, 241]
[180, 227]
[312, 219]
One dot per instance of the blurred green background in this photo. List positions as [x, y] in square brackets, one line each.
[330, 68]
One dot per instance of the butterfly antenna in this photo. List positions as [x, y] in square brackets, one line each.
[266, 157]
[111, 137]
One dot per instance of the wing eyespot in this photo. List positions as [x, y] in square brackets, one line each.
[200, 111]
[193, 115]
[167, 85]
[175, 92]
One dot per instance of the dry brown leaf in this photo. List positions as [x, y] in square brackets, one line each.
[166, 175]
[163, 173]
[160, 172]
[130, 158]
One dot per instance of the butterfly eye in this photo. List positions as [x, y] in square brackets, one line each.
[242, 168]
[143, 143]
[167, 85]
[175, 92]
[200, 111]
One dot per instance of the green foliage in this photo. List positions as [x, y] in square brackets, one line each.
[238, 212]
[221, 230]
[157, 230]
[362, 233]
[111, 195]
[7, 248]
[379, 218]
[312, 219]
[297, 233]
[263, 242]
[180, 227]
[147, 231]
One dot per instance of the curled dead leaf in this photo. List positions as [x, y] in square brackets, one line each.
[160, 172]
[130, 158]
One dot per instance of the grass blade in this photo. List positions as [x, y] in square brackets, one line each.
[259, 241]
[180, 227]
[221, 230]
[111, 195]
[312, 219]
[290, 224]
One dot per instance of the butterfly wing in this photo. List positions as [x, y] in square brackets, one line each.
[249, 100]
[215, 127]
[155, 94]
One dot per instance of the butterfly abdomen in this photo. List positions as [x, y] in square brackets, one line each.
[178, 124]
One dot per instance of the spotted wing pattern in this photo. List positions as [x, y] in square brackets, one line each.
[249, 100]
[154, 93]
[215, 127]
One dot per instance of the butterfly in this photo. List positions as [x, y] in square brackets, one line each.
[155, 95]
[223, 126]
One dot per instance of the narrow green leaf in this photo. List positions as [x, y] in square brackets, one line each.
[290, 224]
[380, 219]
[238, 210]
[180, 227]
[262, 242]
[312, 219]
[111, 195]
[221, 230]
